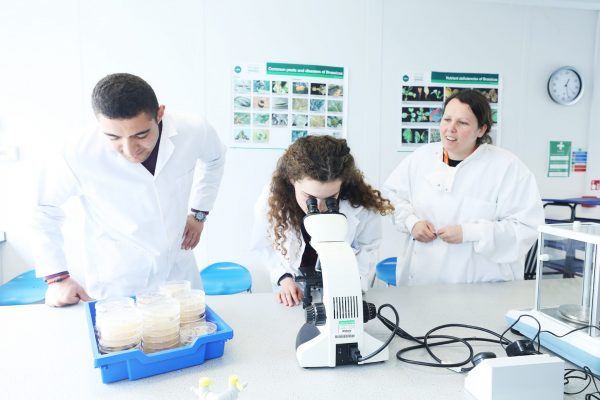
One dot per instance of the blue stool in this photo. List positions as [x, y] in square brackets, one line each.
[385, 270]
[226, 278]
[23, 289]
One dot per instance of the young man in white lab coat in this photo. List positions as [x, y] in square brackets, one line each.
[144, 210]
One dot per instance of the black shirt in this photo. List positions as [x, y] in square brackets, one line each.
[309, 257]
[453, 163]
[150, 163]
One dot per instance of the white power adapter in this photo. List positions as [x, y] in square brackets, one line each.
[535, 377]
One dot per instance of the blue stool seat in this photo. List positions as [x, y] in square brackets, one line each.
[385, 270]
[23, 289]
[226, 278]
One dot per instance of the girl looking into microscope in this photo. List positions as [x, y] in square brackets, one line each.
[320, 167]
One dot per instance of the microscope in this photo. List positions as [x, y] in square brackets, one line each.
[334, 333]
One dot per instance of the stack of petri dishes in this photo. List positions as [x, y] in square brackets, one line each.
[176, 288]
[160, 321]
[193, 307]
[118, 324]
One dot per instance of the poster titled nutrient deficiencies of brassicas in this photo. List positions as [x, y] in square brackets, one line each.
[423, 95]
[273, 104]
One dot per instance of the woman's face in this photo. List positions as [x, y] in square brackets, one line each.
[459, 131]
[307, 187]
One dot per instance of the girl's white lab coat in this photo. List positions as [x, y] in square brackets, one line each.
[134, 220]
[491, 194]
[364, 236]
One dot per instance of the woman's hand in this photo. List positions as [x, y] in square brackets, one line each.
[290, 294]
[451, 234]
[423, 231]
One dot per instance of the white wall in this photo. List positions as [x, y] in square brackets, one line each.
[186, 48]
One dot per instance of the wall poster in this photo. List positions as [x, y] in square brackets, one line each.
[559, 158]
[273, 104]
[579, 160]
[422, 101]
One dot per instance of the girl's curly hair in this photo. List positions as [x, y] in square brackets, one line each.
[324, 159]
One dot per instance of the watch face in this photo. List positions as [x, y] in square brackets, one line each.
[200, 216]
[565, 86]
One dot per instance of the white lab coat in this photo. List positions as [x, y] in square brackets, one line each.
[134, 221]
[491, 194]
[364, 236]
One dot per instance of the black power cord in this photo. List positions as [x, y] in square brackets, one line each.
[571, 374]
[424, 342]
[588, 377]
[356, 355]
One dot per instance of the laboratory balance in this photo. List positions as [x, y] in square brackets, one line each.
[567, 294]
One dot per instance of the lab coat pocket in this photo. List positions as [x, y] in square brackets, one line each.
[474, 209]
[438, 181]
[183, 186]
[121, 263]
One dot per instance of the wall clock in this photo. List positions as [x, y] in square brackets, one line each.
[565, 86]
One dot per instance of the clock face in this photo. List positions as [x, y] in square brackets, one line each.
[565, 86]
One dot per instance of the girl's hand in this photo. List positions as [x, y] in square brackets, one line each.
[290, 294]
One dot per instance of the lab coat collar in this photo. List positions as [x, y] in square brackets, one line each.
[442, 177]
[166, 145]
[438, 151]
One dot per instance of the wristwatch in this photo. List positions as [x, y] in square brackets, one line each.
[200, 215]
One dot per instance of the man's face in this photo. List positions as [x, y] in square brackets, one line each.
[133, 138]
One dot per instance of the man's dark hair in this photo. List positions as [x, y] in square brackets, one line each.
[123, 96]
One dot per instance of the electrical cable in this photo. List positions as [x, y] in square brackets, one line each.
[424, 342]
[387, 342]
[588, 376]
[570, 375]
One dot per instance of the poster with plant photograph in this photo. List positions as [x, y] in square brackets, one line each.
[422, 101]
[274, 104]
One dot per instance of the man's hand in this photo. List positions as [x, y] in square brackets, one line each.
[64, 293]
[192, 232]
[290, 294]
[451, 234]
[423, 231]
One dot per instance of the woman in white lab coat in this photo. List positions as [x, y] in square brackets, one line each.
[467, 210]
[139, 224]
[320, 167]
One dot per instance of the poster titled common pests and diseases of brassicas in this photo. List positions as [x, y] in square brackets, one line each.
[274, 104]
[423, 95]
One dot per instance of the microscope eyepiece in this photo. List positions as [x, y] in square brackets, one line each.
[311, 205]
[332, 205]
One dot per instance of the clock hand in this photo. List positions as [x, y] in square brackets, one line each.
[567, 82]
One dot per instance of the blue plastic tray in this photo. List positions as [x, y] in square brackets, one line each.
[134, 364]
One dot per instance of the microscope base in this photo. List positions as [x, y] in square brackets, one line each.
[314, 349]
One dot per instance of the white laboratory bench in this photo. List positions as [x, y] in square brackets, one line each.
[45, 352]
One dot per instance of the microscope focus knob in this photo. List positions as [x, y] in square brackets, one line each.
[315, 314]
[369, 311]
